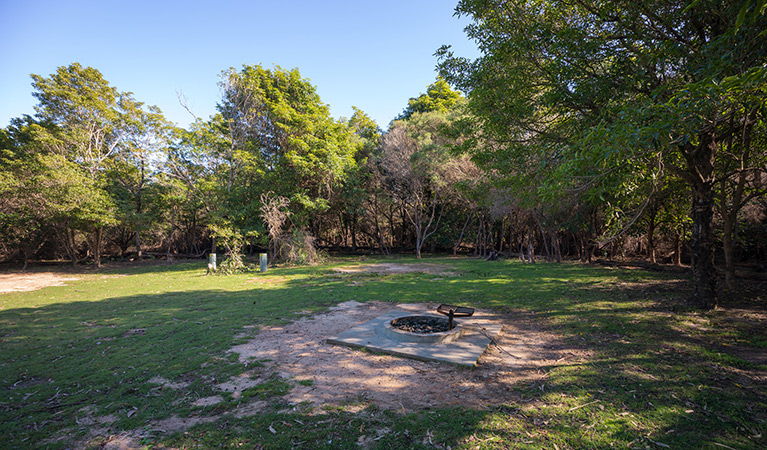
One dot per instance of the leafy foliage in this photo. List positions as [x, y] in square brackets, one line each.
[276, 118]
[602, 98]
[439, 97]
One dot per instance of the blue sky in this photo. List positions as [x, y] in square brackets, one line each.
[373, 55]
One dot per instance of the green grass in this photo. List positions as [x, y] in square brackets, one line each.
[655, 378]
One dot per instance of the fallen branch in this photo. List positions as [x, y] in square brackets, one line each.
[494, 342]
[581, 406]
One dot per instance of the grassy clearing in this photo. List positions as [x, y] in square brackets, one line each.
[93, 355]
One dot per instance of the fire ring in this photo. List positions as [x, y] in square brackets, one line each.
[422, 329]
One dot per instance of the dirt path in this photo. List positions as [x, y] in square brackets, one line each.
[20, 282]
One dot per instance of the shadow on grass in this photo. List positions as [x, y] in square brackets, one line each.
[650, 381]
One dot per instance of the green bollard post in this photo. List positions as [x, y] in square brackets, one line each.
[263, 262]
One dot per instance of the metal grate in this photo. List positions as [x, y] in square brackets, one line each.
[454, 311]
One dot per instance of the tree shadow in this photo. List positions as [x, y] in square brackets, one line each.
[648, 376]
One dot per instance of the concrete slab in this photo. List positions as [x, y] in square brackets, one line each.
[465, 351]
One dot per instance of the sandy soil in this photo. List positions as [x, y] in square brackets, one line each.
[18, 282]
[352, 378]
[394, 268]
[341, 375]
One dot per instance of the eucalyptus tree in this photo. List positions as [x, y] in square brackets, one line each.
[79, 122]
[407, 183]
[107, 142]
[194, 162]
[420, 169]
[43, 195]
[83, 111]
[359, 194]
[133, 166]
[595, 88]
[279, 126]
[24, 227]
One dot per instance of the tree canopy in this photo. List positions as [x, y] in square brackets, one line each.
[439, 97]
[587, 130]
[606, 97]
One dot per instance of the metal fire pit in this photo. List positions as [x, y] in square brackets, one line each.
[454, 311]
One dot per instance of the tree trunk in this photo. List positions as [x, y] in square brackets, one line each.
[343, 238]
[402, 229]
[379, 231]
[502, 235]
[530, 249]
[489, 242]
[138, 245]
[354, 232]
[418, 242]
[728, 245]
[730, 219]
[392, 228]
[67, 237]
[651, 235]
[704, 274]
[700, 163]
[98, 235]
[460, 238]
[555, 247]
[479, 231]
[549, 255]
[168, 257]
[481, 237]
[678, 248]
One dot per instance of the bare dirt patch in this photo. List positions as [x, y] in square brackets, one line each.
[330, 375]
[394, 268]
[267, 280]
[167, 383]
[340, 375]
[238, 384]
[21, 282]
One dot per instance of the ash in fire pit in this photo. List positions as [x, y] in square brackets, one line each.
[420, 329]
[421, 324]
